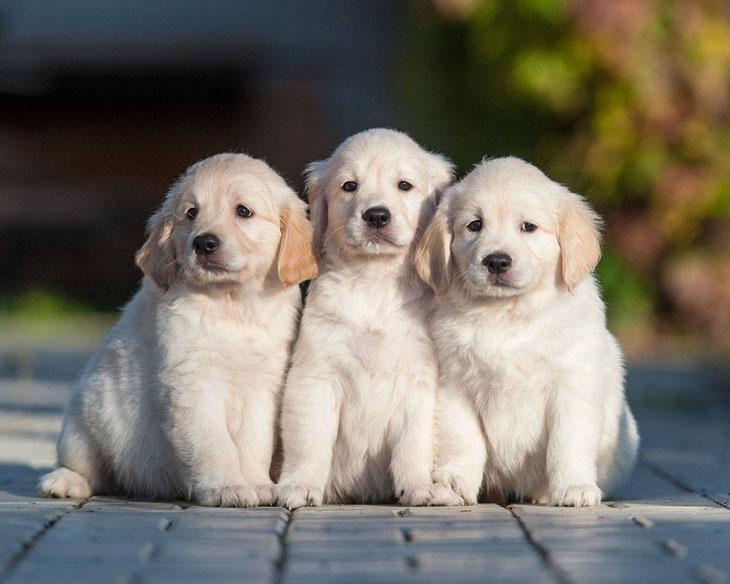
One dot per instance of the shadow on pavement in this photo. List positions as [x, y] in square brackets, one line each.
[19, 480]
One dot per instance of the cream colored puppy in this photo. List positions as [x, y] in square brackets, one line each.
[357, 415]
[181, 398]
[531, 402]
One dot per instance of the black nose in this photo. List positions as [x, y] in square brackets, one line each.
[497, 263]
[206, 244]
[376, 217]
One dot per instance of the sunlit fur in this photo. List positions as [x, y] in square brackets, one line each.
[531, 402]
[358, 403]
[181, 397]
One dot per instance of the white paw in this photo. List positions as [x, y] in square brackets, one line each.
[443, 496]
[64, 482]
[266, 493]
[293, 496]
[578, 496]
[226, 496]
[417, 497]
[457, 485]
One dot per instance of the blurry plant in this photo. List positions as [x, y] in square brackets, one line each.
[40, 304]
[627, 102]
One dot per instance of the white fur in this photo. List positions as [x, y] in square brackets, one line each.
[531, 403]
[181, 397]
[358, 403]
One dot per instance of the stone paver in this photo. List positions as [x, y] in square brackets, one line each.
[112, 542]
[336, 544]
[670, 524]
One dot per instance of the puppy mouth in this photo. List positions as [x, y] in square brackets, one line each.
[382, 237]
[210, 265]
[500, 283]
[373, 239]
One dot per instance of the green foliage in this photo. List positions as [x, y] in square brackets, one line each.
[629, 293]
[40, 304]
[627, 103]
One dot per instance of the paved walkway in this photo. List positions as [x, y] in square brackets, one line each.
[672, 523]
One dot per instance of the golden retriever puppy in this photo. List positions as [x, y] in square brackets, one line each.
[531, 402]
[357, 414]
[180, 400]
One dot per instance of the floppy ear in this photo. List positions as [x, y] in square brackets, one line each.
[433, 254]
[296, 261]
[156, 257]
[314, 185]
[579, 238]
[440, 174]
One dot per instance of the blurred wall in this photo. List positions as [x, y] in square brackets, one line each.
[103, 104]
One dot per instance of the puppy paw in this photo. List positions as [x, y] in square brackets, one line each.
[443, 496]
[266, 493]
[63, 483]
[578, 496]
[449, 481]
[293, 496]
[227, 496]
[416, 497]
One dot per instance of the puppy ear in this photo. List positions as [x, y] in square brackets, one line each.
[156, 257]
[314, 186]
[440, 174]
[579, 238]
[433, 254]
[296, 261]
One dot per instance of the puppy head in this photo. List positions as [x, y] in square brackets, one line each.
[506, 230]
[374, 194]
[229, 218]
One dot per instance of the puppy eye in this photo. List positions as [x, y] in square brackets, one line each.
[404, 185]
[349, 186]
[475, 225]
[528, 227]
[244, 212]
[192, 213]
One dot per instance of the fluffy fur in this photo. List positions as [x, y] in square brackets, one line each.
[357, 415]
[180, 399]
[531, 403]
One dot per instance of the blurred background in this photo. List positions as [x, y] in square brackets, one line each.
[104, 103]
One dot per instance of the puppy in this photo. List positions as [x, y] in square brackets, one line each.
[531, 402]
[181, 398]
[357, 415]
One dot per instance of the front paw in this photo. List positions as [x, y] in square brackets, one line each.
[266, 493]
[293, 496]
[447, 483]
[444, 496]
[416, 497]
[577, 496]
[226, 496]
[64, 482]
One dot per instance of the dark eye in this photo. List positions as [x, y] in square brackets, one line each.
[475, 225]
[529, 227]
[244, 212]
[349, 186]
[404, 185]
[192, 212]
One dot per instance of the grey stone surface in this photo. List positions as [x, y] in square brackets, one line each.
[417, 544]
[114, 541]
[670, 522]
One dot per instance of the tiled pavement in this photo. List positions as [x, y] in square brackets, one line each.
[671, 524]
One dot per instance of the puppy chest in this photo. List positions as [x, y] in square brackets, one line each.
[512, 402]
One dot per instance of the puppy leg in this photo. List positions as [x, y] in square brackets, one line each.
[78, 476]
[412, 457]
[461, 450]
[310, 417]
[574, 429]
[199, 434]
[255, 442]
